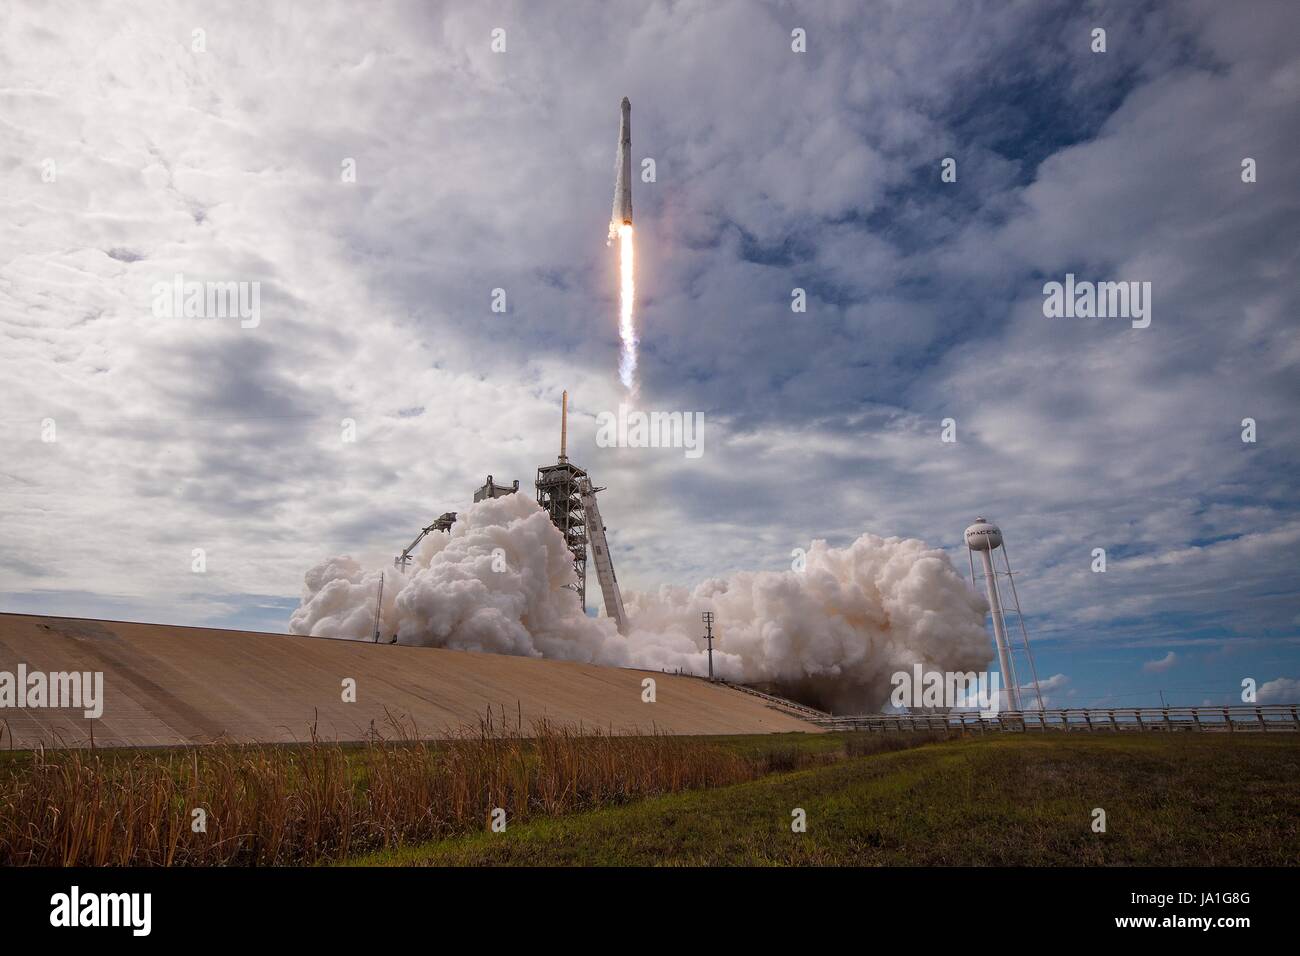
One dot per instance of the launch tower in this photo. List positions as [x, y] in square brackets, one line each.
[568, 497]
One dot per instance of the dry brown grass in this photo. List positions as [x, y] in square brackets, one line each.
[270, 805]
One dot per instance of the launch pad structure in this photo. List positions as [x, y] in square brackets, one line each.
[568, 496]
[442, 523]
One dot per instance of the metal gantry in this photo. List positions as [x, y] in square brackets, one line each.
[559, 492]
[443, 523]
[568, 496]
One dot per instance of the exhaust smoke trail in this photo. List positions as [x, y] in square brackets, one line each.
[627, 295]
[620, 225]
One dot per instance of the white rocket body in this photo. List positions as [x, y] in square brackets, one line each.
[622, 214]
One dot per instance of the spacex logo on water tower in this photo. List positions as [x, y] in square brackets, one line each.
[985, 537]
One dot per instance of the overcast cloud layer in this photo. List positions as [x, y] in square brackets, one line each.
[478, 170]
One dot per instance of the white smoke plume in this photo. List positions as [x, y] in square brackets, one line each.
[830, 635]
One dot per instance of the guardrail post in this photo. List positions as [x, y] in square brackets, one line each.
[1087, 716]
[1227, 717]
[1295, 718]
[1260, 715]
[1168, 726]
[1196, 716]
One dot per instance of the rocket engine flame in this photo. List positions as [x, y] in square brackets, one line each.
[627, 295]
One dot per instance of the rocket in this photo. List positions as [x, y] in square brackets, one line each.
[623, 181]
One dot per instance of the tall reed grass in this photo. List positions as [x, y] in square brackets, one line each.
[274, 805]
[267, 805]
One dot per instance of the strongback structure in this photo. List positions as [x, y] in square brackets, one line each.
[568, 497]
[600, 555]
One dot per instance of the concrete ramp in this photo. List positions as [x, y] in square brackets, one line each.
[166, 685]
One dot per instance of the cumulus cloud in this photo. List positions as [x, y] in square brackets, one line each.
[1162, 664]
[831, 634]
[1055, 682]
[1284, 690]
[1028, 697]
[1046, 684]
[923, 297]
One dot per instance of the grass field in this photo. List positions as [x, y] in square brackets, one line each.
[267, 805]
[1170, 799]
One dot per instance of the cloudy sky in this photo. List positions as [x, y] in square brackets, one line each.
[133, 149]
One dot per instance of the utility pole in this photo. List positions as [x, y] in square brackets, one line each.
[707, 617]
[379, 604]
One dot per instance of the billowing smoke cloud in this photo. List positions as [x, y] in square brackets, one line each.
[830, 635]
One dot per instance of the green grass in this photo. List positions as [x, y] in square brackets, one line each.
[322, 802]
[756, 745]
[1176, 799]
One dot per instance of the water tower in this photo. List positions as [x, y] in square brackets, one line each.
[984, 537]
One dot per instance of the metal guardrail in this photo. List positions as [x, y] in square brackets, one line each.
[1239, 719]
[800, 710]
[1273, 717]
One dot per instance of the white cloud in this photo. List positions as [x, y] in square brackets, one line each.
[1055, 682]
[477, 171]
[1284, 690]
[1162, 664]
